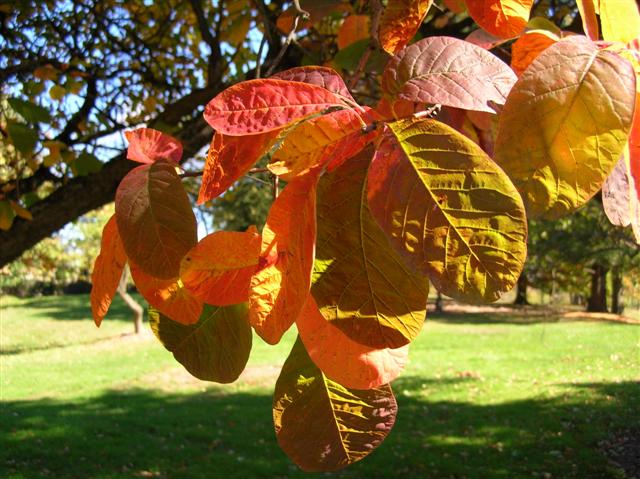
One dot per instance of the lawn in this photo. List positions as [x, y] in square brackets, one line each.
[486, 394]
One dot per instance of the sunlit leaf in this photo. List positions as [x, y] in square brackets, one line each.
[620, 20]
[343, 360]
[169, 296]
[107, 271]
[502, 18]
[155, 220]
[218, 269]
[360, 284]
[229, 158]
[354, 28]
[616, 195]
[323, 426]
[400, 22]
[280, 288]
[324, 77]
[588, 10]
[448, 71]
[147, 145]
[565, 124]
[216, 348]
[528, 47]
[258, 106]
[448, 210]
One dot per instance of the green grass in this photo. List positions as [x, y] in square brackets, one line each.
[485, 395]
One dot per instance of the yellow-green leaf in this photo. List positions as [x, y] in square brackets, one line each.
[448, 209]
[620, 20]
[565, 125]
[216, 348]
[360, 284]
[7, 214]
[323, 426]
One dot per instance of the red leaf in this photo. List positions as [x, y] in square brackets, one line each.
[448, 71]
[258, 106]
[147, 145]
[219, 268]
[229, 158]
[169, 296]
[324, 77]
[502, 18]
[344, 360]
[278, 291]
[155, 220]
[107, 271]
[400, 22]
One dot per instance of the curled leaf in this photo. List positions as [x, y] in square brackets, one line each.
[147, 145]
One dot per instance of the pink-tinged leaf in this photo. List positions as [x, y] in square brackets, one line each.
[616, 195]
[448, 71]
[529, 46]
[219, 268]
[155, 220]
[502, 18]
[484, 39]
[588, 10]
[400, 22]
[230, 158]
[259, 106]
[279, 290]
[342, 359]
[324, 77]
[353, 29]
[323, 426]
[326, 139]
[169, 296]
[107, 271]
[147, 145]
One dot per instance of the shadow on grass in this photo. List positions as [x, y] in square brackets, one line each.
[215, 433]
[5, 351]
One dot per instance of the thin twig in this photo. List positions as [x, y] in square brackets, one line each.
[374, 44]
[300, 14]
[195, 174]
[274, 186]
[259, 59]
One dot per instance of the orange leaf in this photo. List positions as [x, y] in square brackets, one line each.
[219, 268]
[456, 6]
[107, 271]
[528, 47]
[588, 10]
[502, 18]
[169, 296]
[147, 145]
[400, 22]
[354, 28]
[279, 290]
[344, 360]
[229, 158]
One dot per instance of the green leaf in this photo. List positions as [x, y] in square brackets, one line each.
[24, 137]
[565, 124]
[361, 285]
[323, 426]
[29, 111]
[155, 219]
[448, 209]
[216, 348]
[86, 164]
[348, 58]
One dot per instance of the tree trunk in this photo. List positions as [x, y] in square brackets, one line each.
[616, 287]
[521, 291]
[439, 308]
[137, 310]
[597, 302]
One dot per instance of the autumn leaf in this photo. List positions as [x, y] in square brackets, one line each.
[529, 46]
[588, 10]
[169, 296]
[215, 348]
[400, 22]
[620, 20]
[218, 269]
[147, 145]
[343, 360]
[565, 124]
[259, 106]
[155, 220]
[230, 158]
[448, 210]
[324, 77]
[502, 18]
[354, 28]
[359, 283]
[107, 271]
[616, 195]
[279, 289]
[448, 71]
[323, 426]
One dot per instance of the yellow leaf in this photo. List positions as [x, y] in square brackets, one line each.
[620, 20]
[56, 92]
